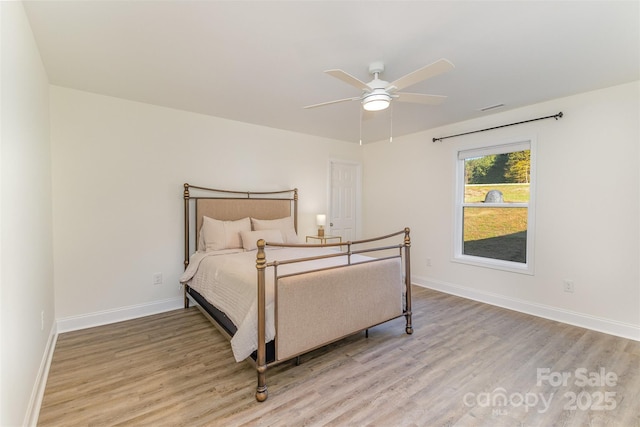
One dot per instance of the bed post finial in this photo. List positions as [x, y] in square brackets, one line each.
[186, 190]
[261, 359]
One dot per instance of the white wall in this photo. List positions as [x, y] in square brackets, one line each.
[26, 260]
[118, 170]
[587, 219]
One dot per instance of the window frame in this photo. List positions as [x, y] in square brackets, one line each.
[460, 155]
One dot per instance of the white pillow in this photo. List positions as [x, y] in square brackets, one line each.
[219, 235]
[250, 238]
[201, 245]
[285, 225]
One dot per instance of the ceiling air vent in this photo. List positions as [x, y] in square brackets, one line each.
[492, 107]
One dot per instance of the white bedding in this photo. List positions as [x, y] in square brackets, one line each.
[228, 280]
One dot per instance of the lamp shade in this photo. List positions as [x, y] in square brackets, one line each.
[321, 219]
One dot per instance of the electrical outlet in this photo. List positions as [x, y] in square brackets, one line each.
[42, 320]
[157, 279]
[567, 286]
[428, 262]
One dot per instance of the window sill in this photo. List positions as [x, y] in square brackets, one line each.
[496, 264]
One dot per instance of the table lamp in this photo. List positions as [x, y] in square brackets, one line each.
[321, 219]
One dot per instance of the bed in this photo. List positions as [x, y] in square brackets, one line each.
[274, 297]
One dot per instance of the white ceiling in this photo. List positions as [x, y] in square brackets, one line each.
[261, 61]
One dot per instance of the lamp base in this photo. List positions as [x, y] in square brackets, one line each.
[320, 232]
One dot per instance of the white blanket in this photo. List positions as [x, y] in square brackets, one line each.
[228, 280]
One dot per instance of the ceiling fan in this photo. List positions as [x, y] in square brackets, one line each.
[377, 94]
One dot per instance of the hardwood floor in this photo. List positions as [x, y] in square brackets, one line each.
[467, 364]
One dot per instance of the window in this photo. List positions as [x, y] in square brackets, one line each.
[494, 206]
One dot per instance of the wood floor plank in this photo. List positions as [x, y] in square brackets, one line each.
[176, 369]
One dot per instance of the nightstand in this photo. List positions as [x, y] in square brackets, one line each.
[323, 239]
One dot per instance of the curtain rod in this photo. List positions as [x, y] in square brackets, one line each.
[555, 116]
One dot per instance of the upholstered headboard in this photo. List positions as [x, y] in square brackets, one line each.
[230, 205]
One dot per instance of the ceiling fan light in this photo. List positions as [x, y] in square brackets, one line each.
[376, 102]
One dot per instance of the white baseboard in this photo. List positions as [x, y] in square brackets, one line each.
[608, 326]
[33, 410]
[74, 323]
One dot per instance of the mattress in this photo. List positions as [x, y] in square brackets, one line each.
[228, 280]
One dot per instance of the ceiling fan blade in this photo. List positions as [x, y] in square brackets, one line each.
[357, 98]
[420, 98]
[348, 79]
[426, 72]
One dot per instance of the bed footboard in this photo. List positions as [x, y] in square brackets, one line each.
[308, 314]
[315, 308]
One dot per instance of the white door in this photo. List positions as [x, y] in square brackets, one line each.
[344, 200]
